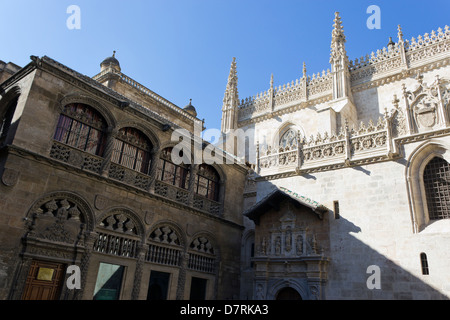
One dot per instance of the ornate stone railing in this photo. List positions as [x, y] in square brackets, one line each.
[94, 164]
[284, 157]
[75, 157]
[397, 56]
[172, 192]
[203, 263]
[367, 141]
[302, 90]
[167, 255]
[128, 176]
[207, 205]
[116, 245]
[403, 54]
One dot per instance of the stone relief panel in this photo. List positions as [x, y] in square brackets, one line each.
[57, 220]
[288, 239]
[427, 105]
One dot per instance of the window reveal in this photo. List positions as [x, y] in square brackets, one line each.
[436, 178]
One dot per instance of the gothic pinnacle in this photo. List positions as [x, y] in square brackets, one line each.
[400, 33]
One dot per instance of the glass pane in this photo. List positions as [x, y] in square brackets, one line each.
[169, 172]
[158, 286]
[202, 186]
[213, 191]
[128, 156]
[436, 179]
[62, 130]
[181, 177]
[94, 141]
[198, 288]
[109, 282]
[117, 151]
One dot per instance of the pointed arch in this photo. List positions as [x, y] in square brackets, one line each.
[415, 169]
[283, 130]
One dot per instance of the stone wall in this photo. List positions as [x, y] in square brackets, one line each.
[33, 171]
[375, 228]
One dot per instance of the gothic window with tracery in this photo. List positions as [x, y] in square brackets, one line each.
[82, 127]
[289, 138]
[436, 178]
[207, 182]
[132, 150]
[170, 173]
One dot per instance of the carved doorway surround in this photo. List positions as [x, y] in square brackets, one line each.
[288, 294]
[58, 234]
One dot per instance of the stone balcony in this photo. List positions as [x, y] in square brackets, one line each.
[94, 164]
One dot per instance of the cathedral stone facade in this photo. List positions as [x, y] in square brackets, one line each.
[369, 141]
[341, 193]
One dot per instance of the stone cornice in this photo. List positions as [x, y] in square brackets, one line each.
[400, 75]
[302, 104]
[88, 84]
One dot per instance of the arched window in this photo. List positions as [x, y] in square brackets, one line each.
[436, 178]
[82, 127]
[289, 138]
[132, 150]
[207, 182]
[170, 173]
[424, 264]
[6, 118]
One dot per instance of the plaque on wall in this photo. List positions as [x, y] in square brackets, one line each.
[45, 274]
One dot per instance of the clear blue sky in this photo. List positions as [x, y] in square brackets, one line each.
[183, 49]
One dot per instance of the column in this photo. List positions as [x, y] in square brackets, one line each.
[112, 134]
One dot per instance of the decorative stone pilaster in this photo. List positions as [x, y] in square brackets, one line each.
[182, 276]
[191, 185]
[112, 134]
[154, 169]
[89, 240]
[138, 272]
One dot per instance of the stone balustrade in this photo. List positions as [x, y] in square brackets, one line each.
[93, 164]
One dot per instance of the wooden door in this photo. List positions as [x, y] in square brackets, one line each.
[44, 281]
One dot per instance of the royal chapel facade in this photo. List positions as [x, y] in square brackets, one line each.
[342, 193]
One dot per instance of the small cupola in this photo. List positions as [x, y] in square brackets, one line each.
[110, 62]
[190, 109]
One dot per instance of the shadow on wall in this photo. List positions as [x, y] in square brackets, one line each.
[357, 271]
